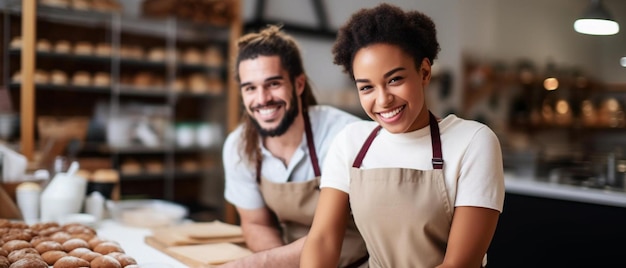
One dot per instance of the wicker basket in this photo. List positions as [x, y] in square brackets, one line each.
[62, 128]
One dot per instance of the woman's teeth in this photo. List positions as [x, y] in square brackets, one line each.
[392, 113]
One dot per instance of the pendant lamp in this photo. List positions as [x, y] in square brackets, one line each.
[596, 21]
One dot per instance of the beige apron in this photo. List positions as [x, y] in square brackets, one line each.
[404, 215]
[294, 206]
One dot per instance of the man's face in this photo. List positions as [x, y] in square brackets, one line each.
[269, 97]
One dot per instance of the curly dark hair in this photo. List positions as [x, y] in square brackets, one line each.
[271, 41]
[412, 31]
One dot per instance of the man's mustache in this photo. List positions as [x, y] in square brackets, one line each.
[270, 103]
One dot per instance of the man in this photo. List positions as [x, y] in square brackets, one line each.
[271, 160]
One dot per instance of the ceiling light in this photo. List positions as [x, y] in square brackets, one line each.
[596, 21]
[622, 61]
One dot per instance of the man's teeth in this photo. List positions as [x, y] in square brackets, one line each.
[266, 111]
[392, 113]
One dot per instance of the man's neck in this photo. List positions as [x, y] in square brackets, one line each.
[284, 146]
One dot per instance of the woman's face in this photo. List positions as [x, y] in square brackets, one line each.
[391, 89]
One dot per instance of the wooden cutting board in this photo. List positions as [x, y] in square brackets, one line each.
[198, 233]
[206, 255]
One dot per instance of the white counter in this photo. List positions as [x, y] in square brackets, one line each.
[132, 241]
[538, 188]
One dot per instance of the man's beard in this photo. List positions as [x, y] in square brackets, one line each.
[284, 124]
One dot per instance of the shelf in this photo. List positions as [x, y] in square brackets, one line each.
[123, 61]
[178, 175]
[124, 91]
[129, 24]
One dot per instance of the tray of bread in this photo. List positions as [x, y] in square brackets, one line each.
[50, 244]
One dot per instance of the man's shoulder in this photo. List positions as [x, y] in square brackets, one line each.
[329, 112]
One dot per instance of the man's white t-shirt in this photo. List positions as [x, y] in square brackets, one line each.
[471, 152]
[241, 188]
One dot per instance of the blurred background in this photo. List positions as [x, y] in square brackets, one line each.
[144, 88]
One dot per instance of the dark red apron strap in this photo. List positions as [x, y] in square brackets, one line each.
[436, 142]
[366, 146]
[359, 262]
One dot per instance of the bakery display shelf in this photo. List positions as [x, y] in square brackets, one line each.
[65, 56]
[76, 88]
[142, 176]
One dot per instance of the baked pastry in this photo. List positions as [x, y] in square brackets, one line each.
[43, 45]
[213, 56]
[124, 259]
[156, 54]
[130, 166]
[4, 262]
[102, 79]
[108, 247]
[53, 256]
[192, 56]
[154, 167]
[3, 253]
[89, 256]
[16, 77]
[131, 52]
[61, 237]
[142, 80]
[58, 77]
[80, 4]
[197, 83]
[215, 84]
[95, 241]
[74, 243]
[29, 263]
[56, 3]
[25, 253]
[62, 46]
[105, 261]
[106, 6]
[16, 42]
[81, 78]
[103, 50]
[41, 77]
[83, 48]
[49, 231]
[13, 245]
[78, 252]
[46, 246]
[105, 175]
[70, 262]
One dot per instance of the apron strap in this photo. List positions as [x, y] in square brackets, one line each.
[310, 144]
[437, 159]
[436, 142]
[366, 146]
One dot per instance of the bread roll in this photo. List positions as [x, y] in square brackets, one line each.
[83, 48]
[105, 175]
[3, 253]
[61, 237]
[102, 79]
[213, 56]
[4, 262]
[50, 257]
[154, 167]
[70, 262]
[130, 166]
[124, 259]
[35, 241]
[50, 231]
[192, 56]
[29, 263]
[41, 77]
[56, 3]
[108, 247]
[74, 243]
[43, 45]
[142, 80]
[197, 83]
[103, 50]
[62, 46]
[13, 245]
[105, 261]
[80, 4]
[16, 42]
[58, 77]
[89, 256]
[156, 54]
[46, 246]
[25, 253]
[82, 78]
[78, 252]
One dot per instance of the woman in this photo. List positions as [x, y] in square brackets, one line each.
[423, 192]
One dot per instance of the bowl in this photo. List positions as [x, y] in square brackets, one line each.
[147, 213]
